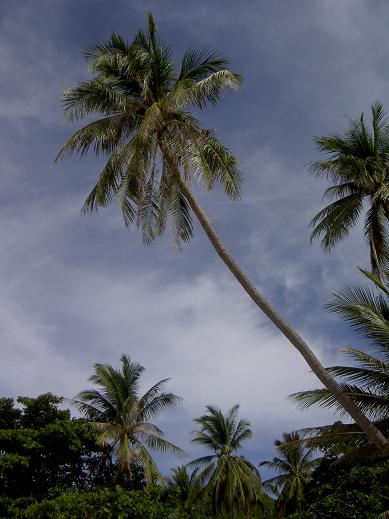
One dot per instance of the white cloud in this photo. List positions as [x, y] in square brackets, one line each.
[203, 332]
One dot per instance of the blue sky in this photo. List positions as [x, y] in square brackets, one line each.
[83, 289]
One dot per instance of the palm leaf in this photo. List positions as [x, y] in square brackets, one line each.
[335, 220]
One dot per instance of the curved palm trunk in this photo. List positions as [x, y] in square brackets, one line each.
[294, 338]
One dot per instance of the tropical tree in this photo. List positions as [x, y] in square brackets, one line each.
[45, 452]
[122, 417]
[187, 486]
[155, 147]
[293, 465]
[346, 491]
[232, 481]
[357, 163]
[367, 382]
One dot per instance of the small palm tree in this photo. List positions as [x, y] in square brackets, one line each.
[188, 487]
[122, 417]
[293, 466]
[358, 164]
[155, 148]
[367, 383]
[232, 481]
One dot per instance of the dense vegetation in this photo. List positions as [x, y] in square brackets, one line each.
[53, 465]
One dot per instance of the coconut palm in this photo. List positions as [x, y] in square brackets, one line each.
[122, 417]
[232, 481]
[367, 382]
[357, 163]
[187, 486]
[293, 465]
[155, 148]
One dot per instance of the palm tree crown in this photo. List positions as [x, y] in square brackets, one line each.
[358, 164]
[232, 480]
[145, 129]
[122, 417]
[293, 466]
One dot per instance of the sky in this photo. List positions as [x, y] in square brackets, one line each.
[79, 289]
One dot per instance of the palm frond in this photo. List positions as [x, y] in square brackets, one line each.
[373, 404]
[340, 191]
[104, 134]
[197, 64]
[151, 471]
[159, 403]
[155, 442]
[367, 361]
[108, 183]
[374, 378]
[212, 162]
[376, 237]
[95, 96]
[180, 215]
[200, 93]
[346, 438]
[365, 312]
[334, 221]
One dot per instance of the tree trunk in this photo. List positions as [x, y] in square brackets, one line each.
[374, 434]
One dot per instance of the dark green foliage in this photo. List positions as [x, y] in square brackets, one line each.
[9, 416]
[151, 503]
[190, 492]
[45, 452]
[343, 492]
[155, 503]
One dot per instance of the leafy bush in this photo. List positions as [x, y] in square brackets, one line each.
[155, 503]
[347, 493]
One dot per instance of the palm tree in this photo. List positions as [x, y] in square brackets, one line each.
[188, 487]
[155, 148]
[232, 481]
[293, 466]
[358, 164]
[367, 383]
[122, 417]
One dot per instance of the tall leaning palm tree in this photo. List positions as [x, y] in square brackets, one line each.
[155, 147]
[232, 481]
[357, 163]
[122, 417]
[293, 466]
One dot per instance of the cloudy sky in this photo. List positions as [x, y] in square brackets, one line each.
[83, 289]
